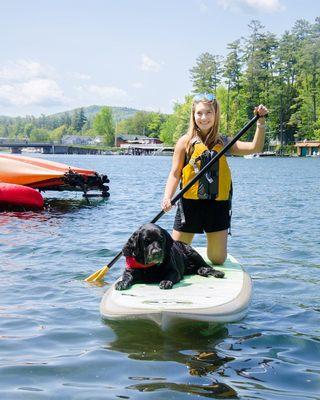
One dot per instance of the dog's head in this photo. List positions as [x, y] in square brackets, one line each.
[149, 244]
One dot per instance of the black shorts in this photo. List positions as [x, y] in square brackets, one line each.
[202, 216]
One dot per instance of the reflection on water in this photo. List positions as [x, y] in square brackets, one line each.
[54, 207]
[143, 339]
[7, 216]
[67, 205]
[214, 390]
[191, 344]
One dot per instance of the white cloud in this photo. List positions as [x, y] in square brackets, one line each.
[81, 76]
[260, 5]
[107, 92]
[27, 82]
[147, 64]
[137, 85]
[23, 70]
[44, 92]
[203, 6]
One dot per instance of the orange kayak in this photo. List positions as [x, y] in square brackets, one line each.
[49, 175]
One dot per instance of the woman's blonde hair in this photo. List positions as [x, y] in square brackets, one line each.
[212, 137]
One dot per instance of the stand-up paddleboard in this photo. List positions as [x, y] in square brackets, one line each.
[194, 298]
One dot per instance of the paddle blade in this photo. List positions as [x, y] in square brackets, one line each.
[98, 275]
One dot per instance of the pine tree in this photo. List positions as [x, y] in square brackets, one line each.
[78, 120]
[206, 75]
[232, 74]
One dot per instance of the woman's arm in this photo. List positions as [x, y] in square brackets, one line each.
[256, 146]
[175, 172]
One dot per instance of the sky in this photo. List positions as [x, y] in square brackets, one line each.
[64, 54]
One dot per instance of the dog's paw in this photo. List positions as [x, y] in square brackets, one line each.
[122, 285]
[218, 274]
[208, 271]
[166, 285]
[205, 271]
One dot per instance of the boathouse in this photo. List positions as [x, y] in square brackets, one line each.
[135, 139]
[308, 148]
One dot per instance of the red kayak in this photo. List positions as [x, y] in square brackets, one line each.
[19, 196]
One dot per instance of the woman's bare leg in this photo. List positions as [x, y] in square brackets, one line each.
[217, 246]
[184, 237]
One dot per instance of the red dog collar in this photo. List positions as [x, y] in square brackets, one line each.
[131, 262]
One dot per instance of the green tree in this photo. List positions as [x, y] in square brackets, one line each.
[304, 118]
[154, 124]
[139, 123]
[39, 135]
[104, 126]
[167, 129]
[206, 74]
[27, 130]
[66, 119]
[182, 112]
[177, 123]
[258, 73]
[16, 130]
[284, 88]
[123, 127]
[232, 74]
[57, 134]
[78, 120]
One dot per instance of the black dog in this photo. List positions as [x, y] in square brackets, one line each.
[153, 256]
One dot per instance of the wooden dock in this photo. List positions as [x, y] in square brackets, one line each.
[146, 149]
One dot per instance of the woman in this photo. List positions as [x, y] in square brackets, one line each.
[206, 207]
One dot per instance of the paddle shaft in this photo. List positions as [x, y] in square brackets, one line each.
[198, 175]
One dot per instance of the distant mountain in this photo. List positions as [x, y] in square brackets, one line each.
[119, 113]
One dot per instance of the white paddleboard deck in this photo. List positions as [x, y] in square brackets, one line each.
[194, 298]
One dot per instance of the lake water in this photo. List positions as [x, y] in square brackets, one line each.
[54, 344]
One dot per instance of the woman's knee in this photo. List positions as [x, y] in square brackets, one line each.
[217, 257]
[217, 247]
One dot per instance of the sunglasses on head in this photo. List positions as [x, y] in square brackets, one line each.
[204, 96]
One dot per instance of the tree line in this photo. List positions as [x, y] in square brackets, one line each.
[280, 72]
[106, 123]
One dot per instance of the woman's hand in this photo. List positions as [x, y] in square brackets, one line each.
[166, 204]
[261, 110]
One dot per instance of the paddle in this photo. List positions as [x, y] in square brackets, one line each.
[99, 275]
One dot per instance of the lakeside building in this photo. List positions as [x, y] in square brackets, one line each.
[80, 140]
[308, 148]
[135, 139]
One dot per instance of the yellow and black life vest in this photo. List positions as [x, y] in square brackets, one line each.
[215, 183]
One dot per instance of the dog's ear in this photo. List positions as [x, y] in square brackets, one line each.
[130, 249]
[140, 249]
[168, 239]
